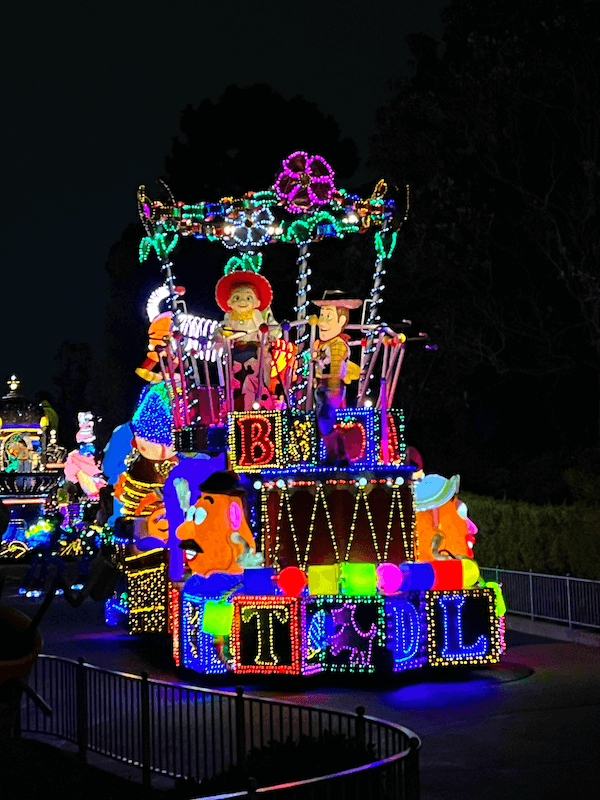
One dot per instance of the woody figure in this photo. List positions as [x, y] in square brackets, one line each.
[331, 353]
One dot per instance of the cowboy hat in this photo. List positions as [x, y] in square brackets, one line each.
[337, 298]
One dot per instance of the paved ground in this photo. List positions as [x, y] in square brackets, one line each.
[526, 728]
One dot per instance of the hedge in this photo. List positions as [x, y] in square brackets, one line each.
[555, 540]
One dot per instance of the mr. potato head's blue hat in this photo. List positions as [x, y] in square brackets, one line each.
[434, 491]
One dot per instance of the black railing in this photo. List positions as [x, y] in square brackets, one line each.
[16, 484]
[558, 598]
[196, 733]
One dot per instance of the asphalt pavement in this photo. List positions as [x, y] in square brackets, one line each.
[525, 728]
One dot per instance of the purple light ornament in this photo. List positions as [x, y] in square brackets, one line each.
[305, 182]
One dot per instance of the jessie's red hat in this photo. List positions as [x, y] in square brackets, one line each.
[241, 277]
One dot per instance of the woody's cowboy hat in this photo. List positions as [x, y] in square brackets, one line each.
[338, 298]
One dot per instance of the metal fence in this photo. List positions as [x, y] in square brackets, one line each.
[574, 601]
[195, 733]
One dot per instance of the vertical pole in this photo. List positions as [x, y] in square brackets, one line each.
[82, 710]
[372, 318]
[145, 720]
[360, 727]
[17, 725]
[208, 390]
[228, 375]
[531, 595]
[392, 390]
[569, 601]
[301, 306]
[240, 727]
[412, 785]
[260, 382]
[311, 365]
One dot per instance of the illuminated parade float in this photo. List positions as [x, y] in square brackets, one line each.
[267, 513]
[30, 465]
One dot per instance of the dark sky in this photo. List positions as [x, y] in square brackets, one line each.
[92, 98]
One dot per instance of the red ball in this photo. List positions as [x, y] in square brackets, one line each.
[291, 581]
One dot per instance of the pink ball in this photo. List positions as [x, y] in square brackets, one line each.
[389, 578]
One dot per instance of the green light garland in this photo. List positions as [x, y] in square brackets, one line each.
[247, 263]
[159, 244]
[381, 249]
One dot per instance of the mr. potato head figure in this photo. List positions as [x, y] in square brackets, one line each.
[215, 536]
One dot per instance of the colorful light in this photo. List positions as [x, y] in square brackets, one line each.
[358, 579]
[407, 630]
[462, 627]
[389, 578]
[217, 618]
[305, 182]
[323, 579]
[292, 581]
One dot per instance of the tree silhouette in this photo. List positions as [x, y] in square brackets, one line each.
[498, 136]
[237, 144]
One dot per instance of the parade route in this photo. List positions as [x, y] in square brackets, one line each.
[525, 728]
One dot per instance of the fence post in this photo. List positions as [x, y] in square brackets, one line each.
[360, 726]
[240, 727]
[569, 600]
[412, 783]
[531, 595]
[82, 710]
[145, 719]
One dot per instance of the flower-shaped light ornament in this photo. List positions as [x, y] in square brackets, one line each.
[305, 182]
[250, 230]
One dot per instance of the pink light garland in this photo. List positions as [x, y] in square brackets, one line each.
[305, 182]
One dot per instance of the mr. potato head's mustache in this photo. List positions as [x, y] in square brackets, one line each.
[190, 544]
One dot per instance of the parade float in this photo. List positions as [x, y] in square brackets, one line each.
[267, 514]
[30, 466]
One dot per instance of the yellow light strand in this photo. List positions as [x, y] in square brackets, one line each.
[320, 493]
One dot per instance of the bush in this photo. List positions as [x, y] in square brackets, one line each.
[557, 540]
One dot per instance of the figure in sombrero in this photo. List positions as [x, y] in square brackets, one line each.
[443, 527]
[331, 353]
[246, 297]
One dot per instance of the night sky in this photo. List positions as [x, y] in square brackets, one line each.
[93, 95]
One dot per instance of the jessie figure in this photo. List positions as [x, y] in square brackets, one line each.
[245, 297]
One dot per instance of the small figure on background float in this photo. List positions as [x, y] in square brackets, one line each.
[331, 353]
[443, 527]
[80, 466]
[21, 457]
[246, 297]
